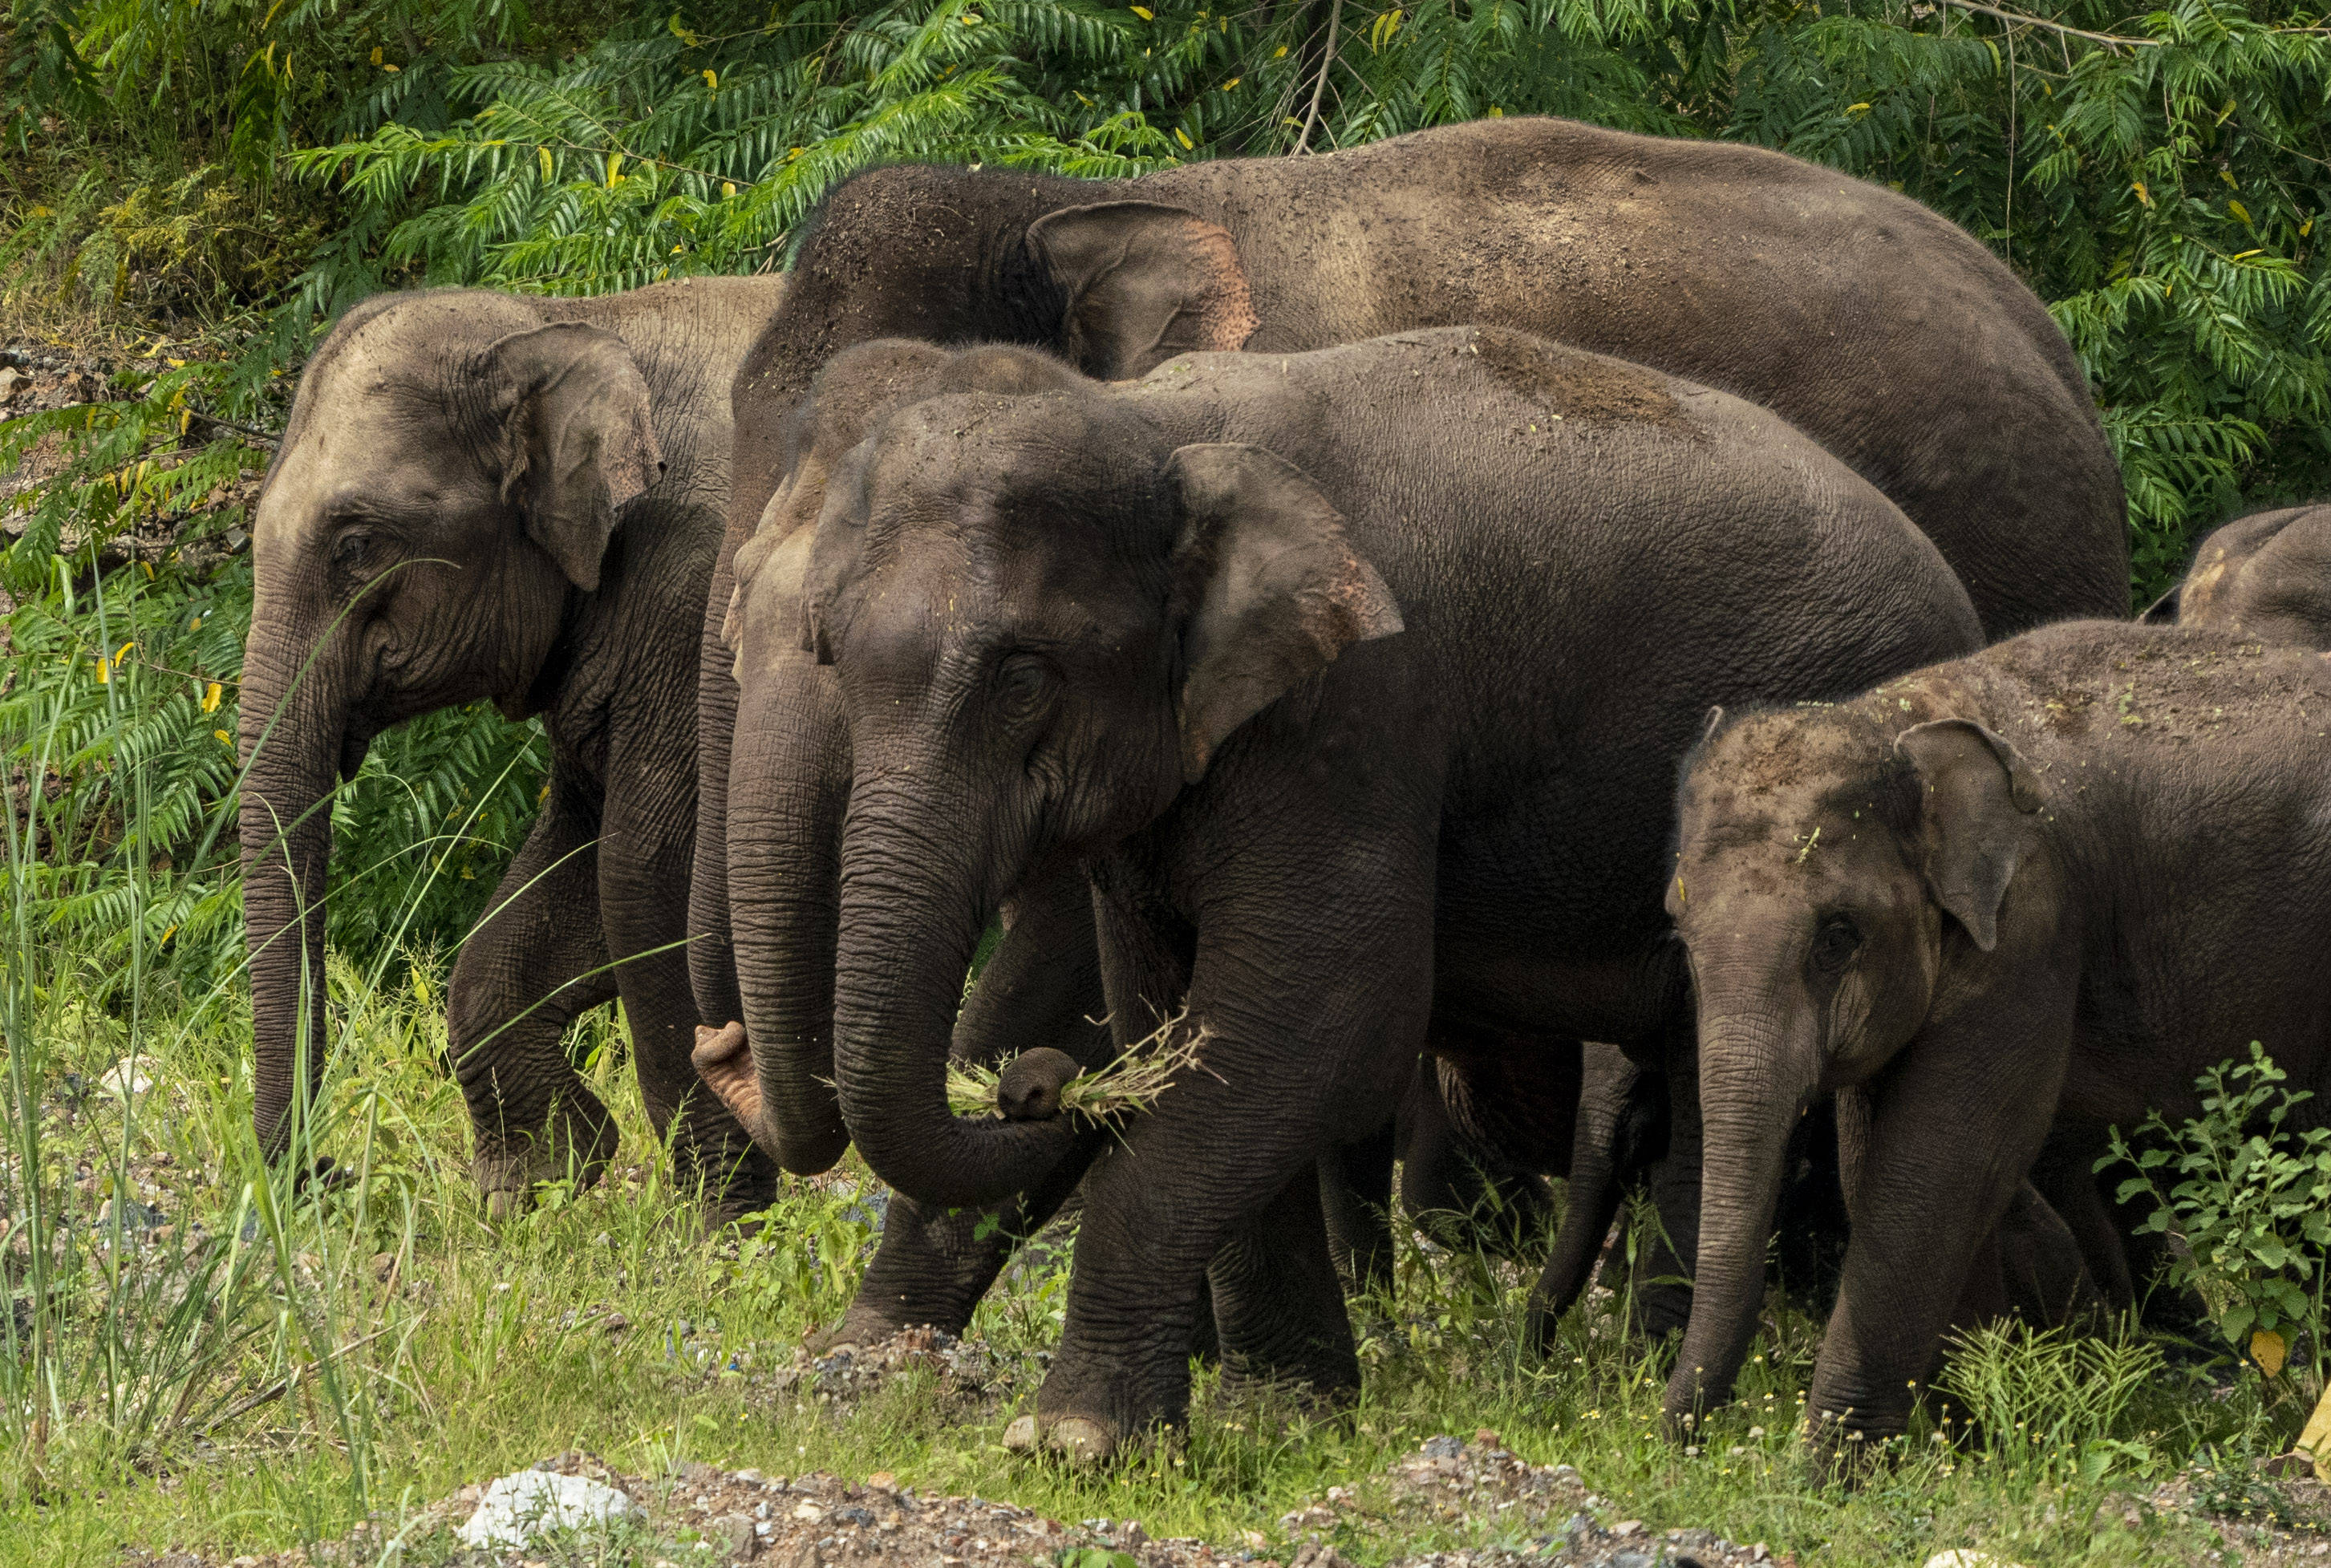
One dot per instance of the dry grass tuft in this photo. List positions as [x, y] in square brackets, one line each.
[1129, 1084]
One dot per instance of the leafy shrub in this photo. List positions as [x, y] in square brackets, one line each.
[2248, 1196]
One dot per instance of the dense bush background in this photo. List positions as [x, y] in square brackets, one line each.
[208, 183]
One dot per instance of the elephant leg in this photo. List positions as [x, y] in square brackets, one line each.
[1310, 1027]
[533, 964]
[2045, 1270]
[644, 856]
[1356, 1198]
[1279, 1302]
[934, 1266]
[2031, 1267]
[1666, 1257]
[1621, 1123]
[1490, 1111]
[1811, 1218]
[1957, 1122]
[2064, 1176]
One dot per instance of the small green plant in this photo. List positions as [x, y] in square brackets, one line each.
[2056, 1405]
[2248, 1194]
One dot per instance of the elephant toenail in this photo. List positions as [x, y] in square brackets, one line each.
[1083, 1441]
[1020, 1437]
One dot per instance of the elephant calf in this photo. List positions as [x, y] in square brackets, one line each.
[2267, 576]
[1356, 680]
[2034, 891]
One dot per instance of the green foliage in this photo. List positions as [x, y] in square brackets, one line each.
[2057, 1405]
[2157, 176]
[2251, 1199]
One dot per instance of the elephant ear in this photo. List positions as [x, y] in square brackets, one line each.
[572, 410]
[1143, 282]
[1272, 589]
[1978, 790]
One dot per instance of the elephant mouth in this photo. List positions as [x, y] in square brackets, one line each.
[356, 741]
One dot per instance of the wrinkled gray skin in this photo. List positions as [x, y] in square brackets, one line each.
[2052, 884]
[1865, 320]
[2266, 575]
[1323, 664]
[486, 498]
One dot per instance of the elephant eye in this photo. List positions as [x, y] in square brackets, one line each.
[1835, 943]
[1023, 688]
[352, 549]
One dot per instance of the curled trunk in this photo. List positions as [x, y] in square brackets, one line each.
[293, 737]
[1753, 1087]
[909, 921]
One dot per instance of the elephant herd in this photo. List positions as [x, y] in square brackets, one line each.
[1267, 605]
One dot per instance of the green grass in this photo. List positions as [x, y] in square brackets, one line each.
[190, 1399]
[273, 1364]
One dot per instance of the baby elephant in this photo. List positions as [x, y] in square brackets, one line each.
[2267, 576]
[2037, 890]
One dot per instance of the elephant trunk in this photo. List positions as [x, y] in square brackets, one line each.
[787, 788]
[293, 735]
[1755, 1075]
[911, 914]
[1593, 1192]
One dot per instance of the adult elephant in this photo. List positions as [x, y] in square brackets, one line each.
[2267, 576]
[1039, 991]
[1320, 662]
[1886, 334]
[484, 497]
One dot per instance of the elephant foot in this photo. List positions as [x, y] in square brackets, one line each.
[724, 1061]
[578, 1144]
[1083, 1441]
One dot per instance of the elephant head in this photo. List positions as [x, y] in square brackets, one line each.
[1832, 866]
[452, 476]
[2267, 577]
[954, 255]
[1043, 620]
[789, 761]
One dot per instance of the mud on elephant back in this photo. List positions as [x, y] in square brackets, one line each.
[481, 497]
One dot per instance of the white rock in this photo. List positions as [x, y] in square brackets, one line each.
[122, 1079]
[1962, 1558]
[517, 1506]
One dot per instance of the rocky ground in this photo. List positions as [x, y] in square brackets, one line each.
[1515, 1513]
[1541, 1515]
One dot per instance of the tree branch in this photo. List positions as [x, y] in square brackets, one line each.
[1320, 88]
[2111, 39]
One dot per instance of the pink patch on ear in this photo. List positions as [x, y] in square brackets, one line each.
[1227, 318]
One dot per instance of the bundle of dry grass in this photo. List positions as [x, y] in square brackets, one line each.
[1131, 1083]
